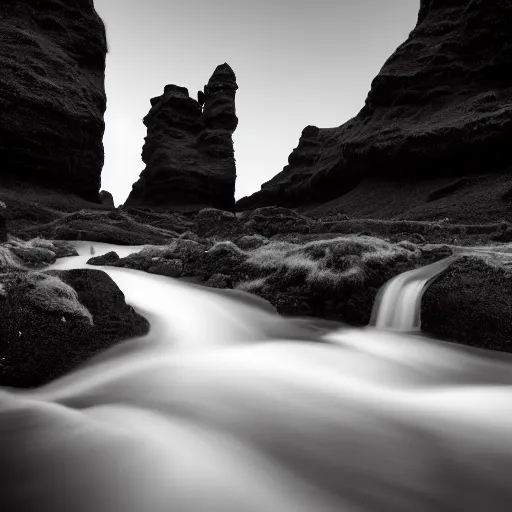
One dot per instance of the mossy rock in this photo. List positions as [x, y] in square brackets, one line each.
[471, 303]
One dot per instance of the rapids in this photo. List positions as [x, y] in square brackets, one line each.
[224, 406]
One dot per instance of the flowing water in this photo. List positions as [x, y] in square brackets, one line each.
[398, 304]
[225, 406]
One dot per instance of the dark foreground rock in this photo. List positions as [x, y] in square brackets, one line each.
[432, 138]
[52, 95]
[471, 303]
[108, 258]
[189, 152]
[54, 321]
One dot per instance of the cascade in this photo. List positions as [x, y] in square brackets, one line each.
[398, 304]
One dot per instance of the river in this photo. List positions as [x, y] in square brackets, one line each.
[225, 406]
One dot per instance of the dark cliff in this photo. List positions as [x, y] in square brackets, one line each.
[438, 118]
[188, 151]
[52, 95]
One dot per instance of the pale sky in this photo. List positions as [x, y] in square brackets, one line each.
[297, 63]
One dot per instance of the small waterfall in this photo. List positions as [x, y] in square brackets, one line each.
[398, 303]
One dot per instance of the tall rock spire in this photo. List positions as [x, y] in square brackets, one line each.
[189, 152]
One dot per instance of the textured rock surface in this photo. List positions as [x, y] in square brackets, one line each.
[441, 107]
[189, 152]
[180, 258]
[52, 97]
[211, 222]
[105, 259]
[106, 198]
[113, 227]
[471, 303]
[54, 321]
[269, 221]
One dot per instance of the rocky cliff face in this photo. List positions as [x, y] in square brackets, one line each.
[441, 107]
[189, 152]
[52, 97]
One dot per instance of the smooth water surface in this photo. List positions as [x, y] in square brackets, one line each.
[226, 407]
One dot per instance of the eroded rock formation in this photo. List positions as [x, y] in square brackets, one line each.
[440, 108]
[52, 96]
[106, 198]
[189, 152]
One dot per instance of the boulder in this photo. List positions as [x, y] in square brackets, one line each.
[181, 257]
[166, 267]
[62, 248]
[212, 222]
[33, 254]
[471, 303]
[107, 199]
[219, 281]
[109, 258]
[54, 321]
[34, 257]
[248, 242]
[223, 258]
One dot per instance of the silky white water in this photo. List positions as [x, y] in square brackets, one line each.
[225, 407]
[398, 304]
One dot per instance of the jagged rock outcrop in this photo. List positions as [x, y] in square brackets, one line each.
[52, 95]
[189, 152]
[106, 198]
[440, 108]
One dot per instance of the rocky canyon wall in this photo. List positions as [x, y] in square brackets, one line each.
[52, 95]
[440, 108]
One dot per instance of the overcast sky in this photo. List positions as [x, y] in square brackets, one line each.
[297, 63]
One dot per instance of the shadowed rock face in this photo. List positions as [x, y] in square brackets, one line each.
[106, 198]
[440, 107]
[43, 338]
[188, 152]
[52, 96]
[3, 227]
